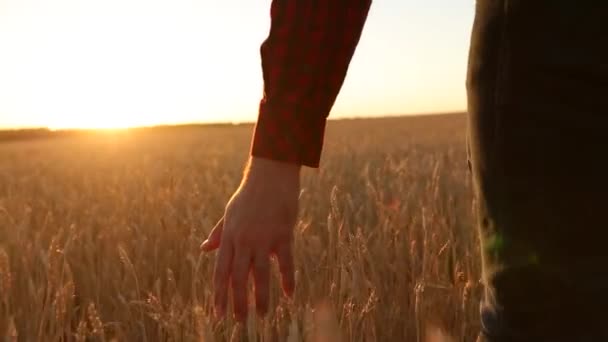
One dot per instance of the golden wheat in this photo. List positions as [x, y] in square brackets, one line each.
[99, 236]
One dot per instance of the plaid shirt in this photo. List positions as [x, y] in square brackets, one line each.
[304, 62]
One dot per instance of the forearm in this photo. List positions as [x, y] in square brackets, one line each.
[304, 60]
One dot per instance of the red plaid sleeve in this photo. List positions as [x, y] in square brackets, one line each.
[304, 62]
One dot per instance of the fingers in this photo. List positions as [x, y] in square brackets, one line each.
[239, 277]
[261, 275]
[285, 259]
[215, 237]
[221, 275]
[232, 267]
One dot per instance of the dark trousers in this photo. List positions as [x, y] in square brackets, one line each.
[537, 88]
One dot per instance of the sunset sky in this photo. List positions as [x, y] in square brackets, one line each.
[118, 63]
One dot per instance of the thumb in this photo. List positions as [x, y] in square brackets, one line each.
[213, 241]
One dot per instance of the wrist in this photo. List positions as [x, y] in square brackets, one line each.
[273, 169]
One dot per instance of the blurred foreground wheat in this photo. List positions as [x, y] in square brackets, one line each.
[99, 236]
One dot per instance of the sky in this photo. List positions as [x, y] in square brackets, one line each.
[121, 63]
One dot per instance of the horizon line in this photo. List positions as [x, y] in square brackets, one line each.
[220, 123]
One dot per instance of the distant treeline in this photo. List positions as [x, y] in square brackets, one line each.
[27, 134]
[45, 133]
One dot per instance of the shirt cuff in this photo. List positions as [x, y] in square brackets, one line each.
[291, 138]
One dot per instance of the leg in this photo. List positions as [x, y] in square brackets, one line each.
[538, 110]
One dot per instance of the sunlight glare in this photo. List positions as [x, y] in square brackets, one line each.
[124, 63]
[118, 65]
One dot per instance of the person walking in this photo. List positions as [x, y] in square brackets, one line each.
[537, 87]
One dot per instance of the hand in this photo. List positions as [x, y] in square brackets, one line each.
[258, 222]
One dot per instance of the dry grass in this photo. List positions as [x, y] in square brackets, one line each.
[99, 236]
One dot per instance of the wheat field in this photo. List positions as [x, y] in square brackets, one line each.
[100, 234]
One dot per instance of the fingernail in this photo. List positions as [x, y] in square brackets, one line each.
[241, 317]
[262, 312]
[219, 312]
[290, 293]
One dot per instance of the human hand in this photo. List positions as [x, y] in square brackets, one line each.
[258, 222]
